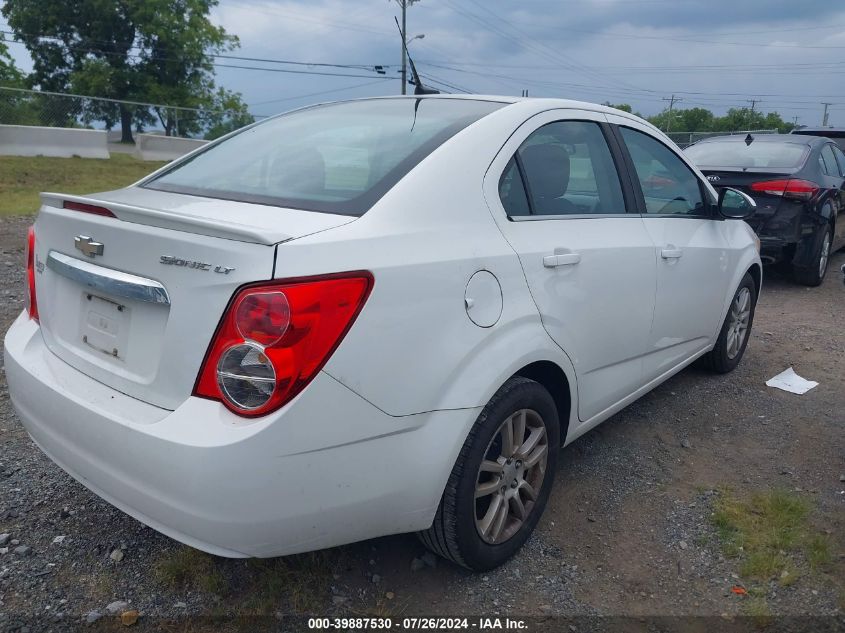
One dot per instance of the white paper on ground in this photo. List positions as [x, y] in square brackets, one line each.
[789, 381]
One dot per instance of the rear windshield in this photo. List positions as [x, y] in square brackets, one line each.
[335, 158]
[738, 154]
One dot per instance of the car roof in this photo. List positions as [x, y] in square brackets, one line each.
[538, 104]
[541, 102]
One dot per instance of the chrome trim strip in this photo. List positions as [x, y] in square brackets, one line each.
[107, 280]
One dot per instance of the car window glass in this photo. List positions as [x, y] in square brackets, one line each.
[569, 170]
[333, 158]
[732, 151]
[840, 159]
[829, 162]
[669, 186]
[512, 191]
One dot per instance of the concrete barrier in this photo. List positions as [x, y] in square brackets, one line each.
[158, 147]
[64, 142]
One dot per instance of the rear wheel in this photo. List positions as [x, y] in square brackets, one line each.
[733, 337]
[813, 274]
[501, 481]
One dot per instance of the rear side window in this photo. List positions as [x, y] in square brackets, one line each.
[668, 185]
[512, 191]
[335, 158]
[840, 158]
[828, 161]
[567, 169]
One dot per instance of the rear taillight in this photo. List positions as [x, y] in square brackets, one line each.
[31, 303]
[787, 187]
[275, 337]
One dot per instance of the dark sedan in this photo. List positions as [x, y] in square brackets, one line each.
[798, 183]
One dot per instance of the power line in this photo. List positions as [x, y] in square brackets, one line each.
[538, 49]
[316, 94]
[135, 56]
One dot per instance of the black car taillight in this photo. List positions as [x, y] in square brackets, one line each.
[787, 188]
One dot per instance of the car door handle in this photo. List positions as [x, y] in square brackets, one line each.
[671, 253]
[566, 259]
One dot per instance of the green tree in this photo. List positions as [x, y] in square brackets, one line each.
[620, 106]
[9, 73]
[226, 113]
[16, 108]
[137, 50]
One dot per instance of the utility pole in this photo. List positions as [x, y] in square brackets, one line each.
[672, 100]
[404, 4]
[753, 103]
[824, 117]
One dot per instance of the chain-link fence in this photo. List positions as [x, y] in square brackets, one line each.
[685, 139]
[19, 106]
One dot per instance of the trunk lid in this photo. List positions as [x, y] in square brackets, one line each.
[742, 179]
[139, 315]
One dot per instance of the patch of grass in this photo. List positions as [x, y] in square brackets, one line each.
[767, 531]
[757, 608]
[256, 586]
[22, 178]
[296, 583]
[818, 551]
[190, 568]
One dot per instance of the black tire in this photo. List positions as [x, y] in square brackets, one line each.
[813, 274]
[719, 359]
[454, 534]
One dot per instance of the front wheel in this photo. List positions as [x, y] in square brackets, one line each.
[501, 481]
[736, 329]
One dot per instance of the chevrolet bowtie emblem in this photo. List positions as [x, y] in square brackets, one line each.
[88, 246]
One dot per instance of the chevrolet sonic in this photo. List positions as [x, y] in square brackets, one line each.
[373, 317]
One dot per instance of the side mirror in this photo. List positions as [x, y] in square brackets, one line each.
[736, 205]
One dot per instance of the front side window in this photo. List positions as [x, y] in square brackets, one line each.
[567, 169]
[668, 185]
[335, 158]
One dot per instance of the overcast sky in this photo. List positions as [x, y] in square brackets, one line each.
[787, 54]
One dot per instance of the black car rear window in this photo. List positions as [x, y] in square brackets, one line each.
[335, 158]
[736, 153]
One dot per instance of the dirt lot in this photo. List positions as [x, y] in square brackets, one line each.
[646, 518]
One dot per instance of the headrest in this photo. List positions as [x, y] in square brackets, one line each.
[546, 169]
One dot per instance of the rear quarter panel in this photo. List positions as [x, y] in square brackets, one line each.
[413, 347]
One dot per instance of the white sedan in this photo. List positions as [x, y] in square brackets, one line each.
[373, 317]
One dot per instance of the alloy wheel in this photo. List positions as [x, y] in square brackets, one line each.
[825, 254]
[738, 326]
[510, 476]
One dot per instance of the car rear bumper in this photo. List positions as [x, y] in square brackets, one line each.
[328, 468]
[774, 250]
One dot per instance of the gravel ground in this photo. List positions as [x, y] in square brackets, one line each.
[627, 531]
